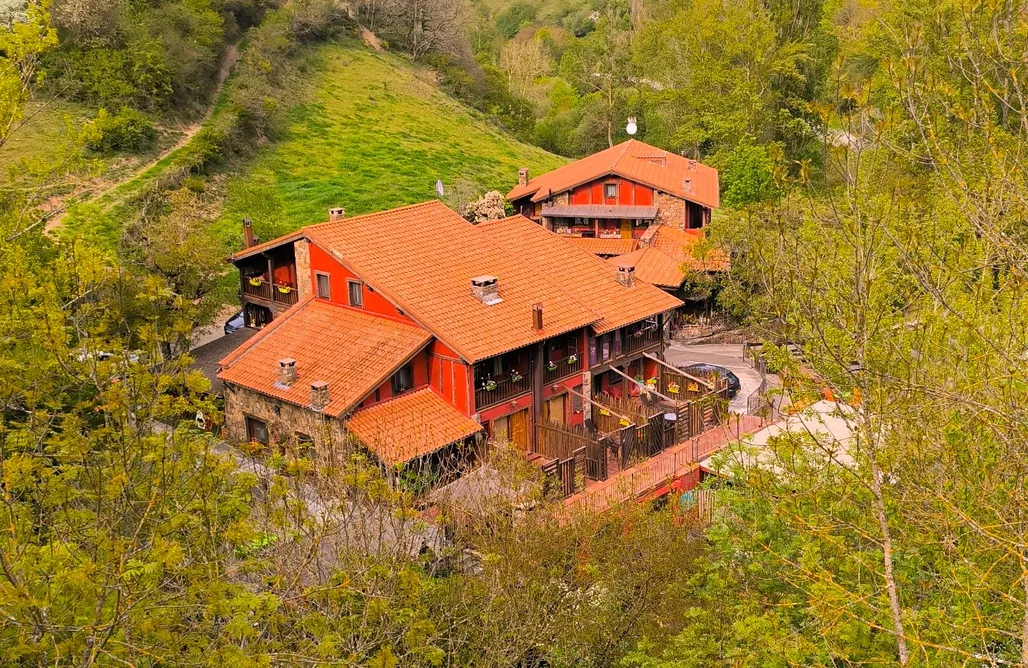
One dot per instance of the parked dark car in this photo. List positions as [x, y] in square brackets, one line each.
[235, 323]
[734, 384]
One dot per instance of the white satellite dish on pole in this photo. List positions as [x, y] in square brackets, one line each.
[631, 128]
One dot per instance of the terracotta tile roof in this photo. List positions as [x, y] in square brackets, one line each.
[263, 246]
[664, 262]
[636, 161]
[678, 244]
[354, 352]
[604, 246]
[652, 266]
[423, 257]
[593, 281]
[411, 425]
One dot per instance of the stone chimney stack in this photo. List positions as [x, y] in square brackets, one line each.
[286, 371]
[248, 238]
[319, 395]
[537, 316]
[335, 214]
[486, 289]
[692, 165]
[523, 176]
[626, 275]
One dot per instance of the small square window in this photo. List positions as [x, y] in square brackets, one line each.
[324, 286]
[356, 295]
[403, 380]
[610, 190]
[256, 430]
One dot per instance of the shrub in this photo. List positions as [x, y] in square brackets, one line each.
[127, 131]
[515, 18]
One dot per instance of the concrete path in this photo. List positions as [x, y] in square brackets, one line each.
[728, 355]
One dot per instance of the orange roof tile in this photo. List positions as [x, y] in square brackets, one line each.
[636, 161]
[593, 281]
[423, 257]
[604, 246]
[352, 351]
[678, 244]
[409, 426]
[652, 266]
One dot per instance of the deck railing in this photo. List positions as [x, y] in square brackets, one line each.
[640, 339]
[561, 369]
[492, 392]
[262, 289]
[285, 294]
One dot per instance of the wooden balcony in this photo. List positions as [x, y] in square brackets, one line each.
[639, 338]
[497, 390]
[260, 289]
[284, 294]
[560, 369]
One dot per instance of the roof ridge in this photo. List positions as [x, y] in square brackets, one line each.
[426, 203]
[248, 345]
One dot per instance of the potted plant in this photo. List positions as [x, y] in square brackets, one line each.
[256, 280]
[672, 388]
[284, 289]
[551, 366]
[572, 358]
[490, 385]
[652, 382]
[515, 376]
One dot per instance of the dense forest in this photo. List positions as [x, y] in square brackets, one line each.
[874, 203]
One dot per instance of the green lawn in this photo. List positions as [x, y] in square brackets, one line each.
[372, 133]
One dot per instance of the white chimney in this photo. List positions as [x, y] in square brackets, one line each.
[523, 176]
[286, 371]
[319, 395]
[626, 275]
[486, 289]
[336, 214]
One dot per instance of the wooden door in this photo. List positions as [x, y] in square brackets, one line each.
[519, 428]
[626, 229]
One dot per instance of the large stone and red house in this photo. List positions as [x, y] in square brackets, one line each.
[411, 330]
[637, 205]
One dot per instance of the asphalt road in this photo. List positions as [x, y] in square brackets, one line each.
[728, 355]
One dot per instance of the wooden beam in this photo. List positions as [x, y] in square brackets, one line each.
[599, 405]
[677, 370]
[642, 386]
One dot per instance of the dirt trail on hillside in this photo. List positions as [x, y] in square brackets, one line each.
[227, 61]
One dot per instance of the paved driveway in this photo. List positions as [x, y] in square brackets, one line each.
[728, 355]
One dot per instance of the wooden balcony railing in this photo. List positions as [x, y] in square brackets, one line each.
[559, 369]
[261, 289]
[644, 338]
[284, 294]
[491, 392]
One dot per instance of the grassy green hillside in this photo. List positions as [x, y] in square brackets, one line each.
[373, 133]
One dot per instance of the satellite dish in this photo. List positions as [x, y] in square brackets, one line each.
[631, 128]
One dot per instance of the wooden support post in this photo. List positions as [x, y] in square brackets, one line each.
[642, 385]
[679, 371]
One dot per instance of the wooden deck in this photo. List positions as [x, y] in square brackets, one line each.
[673, 463]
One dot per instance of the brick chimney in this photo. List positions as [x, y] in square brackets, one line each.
[688, 185]
[523, 176]
[626, 275]
[286, 371]
[486, 289]
[248, 238]
[692, 165]
[319, 395]
[537, 316]
[335, 214]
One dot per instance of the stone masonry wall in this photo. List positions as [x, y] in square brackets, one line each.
[670, 211]
[302, 252]
[284, 421]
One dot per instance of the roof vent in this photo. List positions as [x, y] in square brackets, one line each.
[319, 395]
[486, 289]
[335, 214]
[626, 275]
[537, 317]
[286, 371]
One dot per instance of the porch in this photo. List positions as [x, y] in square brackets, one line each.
[269, 279]
[503, 378]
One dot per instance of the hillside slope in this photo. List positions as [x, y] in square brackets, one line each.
[372, 133]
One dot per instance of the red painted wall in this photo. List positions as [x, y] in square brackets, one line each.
[374, 302]
[420, 369]
[450, 376]
[629, 192]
